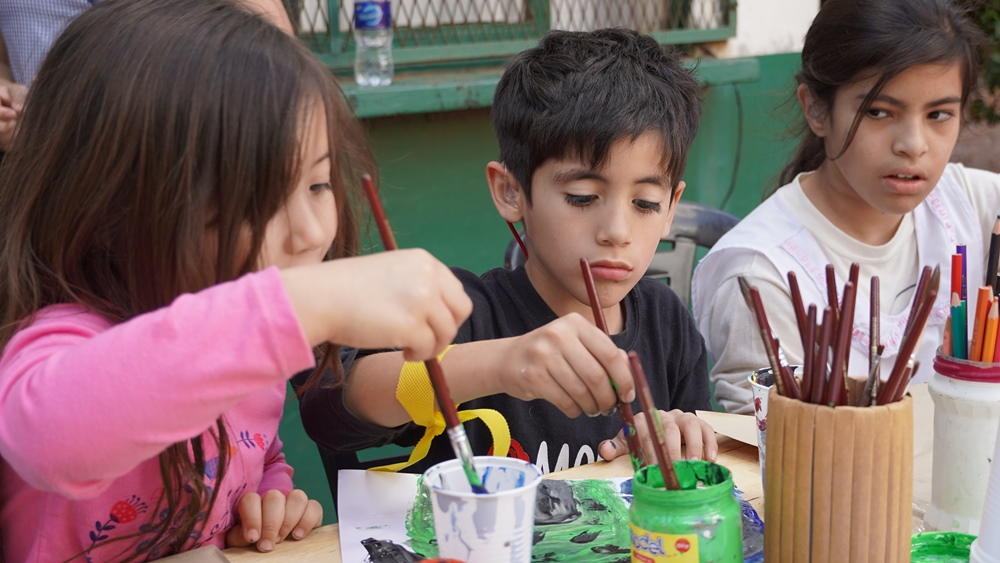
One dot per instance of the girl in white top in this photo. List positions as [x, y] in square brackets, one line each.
[882, 89]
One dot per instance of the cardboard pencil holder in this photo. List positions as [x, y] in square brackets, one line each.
[839, 482]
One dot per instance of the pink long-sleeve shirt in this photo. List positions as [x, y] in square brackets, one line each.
[86, 406]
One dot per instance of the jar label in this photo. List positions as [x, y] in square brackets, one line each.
[653, 547]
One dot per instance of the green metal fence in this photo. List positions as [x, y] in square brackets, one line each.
[468, 32]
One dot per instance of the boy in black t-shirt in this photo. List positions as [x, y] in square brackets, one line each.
[594, 129]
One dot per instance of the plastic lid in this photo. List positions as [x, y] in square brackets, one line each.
[372, 15]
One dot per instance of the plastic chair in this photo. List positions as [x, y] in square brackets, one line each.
[694, 225]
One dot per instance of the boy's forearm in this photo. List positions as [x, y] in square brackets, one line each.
[471, 370]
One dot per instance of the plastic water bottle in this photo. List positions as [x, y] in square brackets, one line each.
[373, 43]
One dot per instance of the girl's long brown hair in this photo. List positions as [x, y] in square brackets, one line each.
[153, 128]
[850, 41]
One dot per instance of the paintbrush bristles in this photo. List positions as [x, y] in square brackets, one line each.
[653, 422]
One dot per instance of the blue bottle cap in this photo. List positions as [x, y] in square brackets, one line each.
[372, 15]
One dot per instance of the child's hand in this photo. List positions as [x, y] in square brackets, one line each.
[12, 96]
[267, 521]
[570, 363]
[696, 435]
[402, 299]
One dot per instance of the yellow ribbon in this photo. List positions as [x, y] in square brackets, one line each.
[415, 393]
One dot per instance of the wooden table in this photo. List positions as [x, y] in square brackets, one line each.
[323, 544]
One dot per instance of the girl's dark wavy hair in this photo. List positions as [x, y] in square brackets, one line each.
[152, 125]
[854, 40]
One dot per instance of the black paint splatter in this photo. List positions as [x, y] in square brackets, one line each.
[385, 551]
[585, 537]
[609, 549]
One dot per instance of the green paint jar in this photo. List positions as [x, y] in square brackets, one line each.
[699, 523]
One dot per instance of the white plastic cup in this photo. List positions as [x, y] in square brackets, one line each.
[760, 385]
[494, 527]
[986, 547]
[966, 399]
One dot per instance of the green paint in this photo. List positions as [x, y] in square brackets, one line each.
[700, 522]
[603, 517]
[940, 547]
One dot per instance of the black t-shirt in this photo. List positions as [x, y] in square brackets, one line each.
[657, 326]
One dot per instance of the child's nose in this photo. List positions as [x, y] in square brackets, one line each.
[308, 231]
[911, 139]
[615, 228]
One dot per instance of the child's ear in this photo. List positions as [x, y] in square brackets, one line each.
[506, 192]
[674, 200]
[812, 109]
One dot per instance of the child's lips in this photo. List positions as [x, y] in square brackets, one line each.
[904, 185]
[610, 273]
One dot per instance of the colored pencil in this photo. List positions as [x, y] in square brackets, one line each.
[983, 298]
[990, 333]
[655, 424]
[956, 275]
[960, 249]
[624, 409]
[946, 343]
[959, 337]
[456, 432]
[994, 256]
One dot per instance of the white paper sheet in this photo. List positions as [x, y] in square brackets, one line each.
[372, 504]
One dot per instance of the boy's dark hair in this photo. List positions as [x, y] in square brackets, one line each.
[577, 93]
[850, 41]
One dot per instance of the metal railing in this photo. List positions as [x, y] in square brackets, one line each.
[433, 32]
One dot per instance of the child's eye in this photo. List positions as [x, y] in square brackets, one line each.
[320, 187]
[647, 206]
[580, 200]
[877, 113]
[940, 115]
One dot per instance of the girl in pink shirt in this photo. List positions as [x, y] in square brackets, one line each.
[181, 174]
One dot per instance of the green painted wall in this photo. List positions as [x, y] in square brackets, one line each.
[434, 186]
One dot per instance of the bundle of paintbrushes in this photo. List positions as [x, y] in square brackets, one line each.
[837, 483]
[456, 432]
[826, 342]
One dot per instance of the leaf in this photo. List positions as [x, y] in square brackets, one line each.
[93, 536]
[102, 537]
[109, 527]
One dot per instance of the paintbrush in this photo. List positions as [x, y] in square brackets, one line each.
[655, 424]
[624, 409]
[456, 432]
[871, 384]
[808, 352]
[798, 307]
[831, 292]
[819, 365]
[783, 379]
[874, 313]
[911, 337]
[841, 348]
